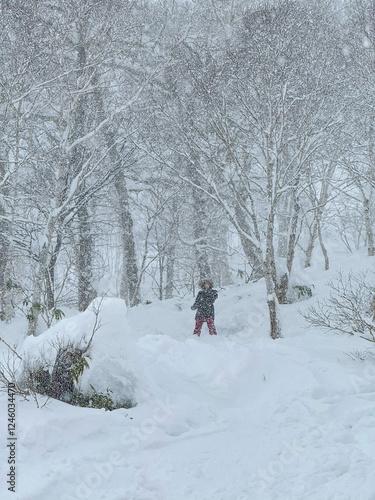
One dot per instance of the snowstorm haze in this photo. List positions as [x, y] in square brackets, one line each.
[147, 145]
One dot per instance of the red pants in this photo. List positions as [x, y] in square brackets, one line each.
[199, 323]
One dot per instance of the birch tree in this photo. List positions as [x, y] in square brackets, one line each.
[18, 91]
[76, 134]
[360, 161]
[263, 122]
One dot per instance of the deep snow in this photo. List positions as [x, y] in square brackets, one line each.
[233, 417]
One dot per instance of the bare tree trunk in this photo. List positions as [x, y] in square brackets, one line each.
[316, 230]
[45, 254]
[86, 292]
[371, 170]
[283, 217]
[200, 215]
[171, 252]
[310, 246]
[270, 278]
[50, 274]
[272, 310]
[7, 230]
[293, 235]
[280, 282]
[84, 251]
[249, 247]
[161, 276]
[170, 268]
[169, 285]
[129, 290]
[369, 227]
[4, 248]
[220, 262]
[36, 303]
[4, 253]
[322, 246]
[129, 286]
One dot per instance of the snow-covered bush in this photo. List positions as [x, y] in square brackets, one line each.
[298, 293]
[349, 307]
[87, 360]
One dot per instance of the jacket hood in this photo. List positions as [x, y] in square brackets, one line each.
[203, 281]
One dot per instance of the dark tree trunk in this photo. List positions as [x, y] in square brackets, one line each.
[4, 246]
[270, 278]
[322, 246]
[129, 278]
[369, 227]
[169, 285]
[310, 246]
[50, 274]
[293, 236]
[161, 260]
[129, 289]
[274, 323]
[249, 248]
[171, 252]
[200, 235]
[86, 292]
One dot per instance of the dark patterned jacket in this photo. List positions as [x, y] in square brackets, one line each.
[204, 303]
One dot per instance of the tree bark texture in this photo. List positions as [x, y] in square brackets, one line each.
[4, 247]
[85, 291]
[270, 278]
[369, 227]
[129, 277]
[200, 234]
[248, 246]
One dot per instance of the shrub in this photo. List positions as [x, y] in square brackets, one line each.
[348, 309]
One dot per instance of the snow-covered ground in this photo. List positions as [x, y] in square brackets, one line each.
[233, 417]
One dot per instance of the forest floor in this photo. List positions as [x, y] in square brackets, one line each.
[233, 417]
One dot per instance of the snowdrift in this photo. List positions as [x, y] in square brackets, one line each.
[113, 363]
[233, 417]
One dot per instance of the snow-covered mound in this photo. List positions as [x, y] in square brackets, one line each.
[233, 417]
[113, 358]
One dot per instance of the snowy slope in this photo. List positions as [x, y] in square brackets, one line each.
[237, 417]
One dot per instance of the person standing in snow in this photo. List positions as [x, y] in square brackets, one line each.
[204, 304]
